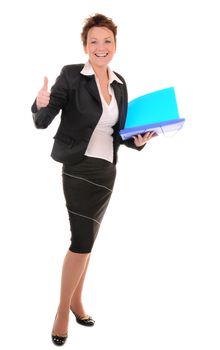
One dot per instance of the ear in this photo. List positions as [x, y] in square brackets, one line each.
[85, 49]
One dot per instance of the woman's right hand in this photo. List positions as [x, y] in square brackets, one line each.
[43, 96]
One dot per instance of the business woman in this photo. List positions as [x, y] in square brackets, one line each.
[93, 100]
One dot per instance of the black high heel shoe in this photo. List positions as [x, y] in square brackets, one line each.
[84, 320]
[58, 340]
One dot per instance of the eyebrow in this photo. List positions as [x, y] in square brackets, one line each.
[108, 37]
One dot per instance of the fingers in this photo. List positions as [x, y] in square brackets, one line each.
[140, 140]
[45, 86]
[43, 96]
[148, 135]
[43, 99]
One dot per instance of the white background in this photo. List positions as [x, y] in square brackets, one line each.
[153, 281]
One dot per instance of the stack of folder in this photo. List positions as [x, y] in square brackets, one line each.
[156, 111]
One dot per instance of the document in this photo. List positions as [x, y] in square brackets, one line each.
[156, 111]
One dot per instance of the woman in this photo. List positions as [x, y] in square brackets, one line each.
[93, 100]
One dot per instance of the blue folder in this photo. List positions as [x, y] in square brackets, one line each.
[156, 111]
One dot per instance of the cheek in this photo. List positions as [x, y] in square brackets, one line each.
[114, 49]
[87, 49]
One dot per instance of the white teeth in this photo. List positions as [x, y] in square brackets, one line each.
[101, 54]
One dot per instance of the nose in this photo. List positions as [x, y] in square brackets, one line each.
[100, 46]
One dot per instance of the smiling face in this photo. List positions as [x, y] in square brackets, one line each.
[100, 46]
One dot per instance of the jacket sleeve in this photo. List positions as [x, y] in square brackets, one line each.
[58, 98]
[130, 143]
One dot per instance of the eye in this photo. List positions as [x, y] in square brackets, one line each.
[93, 41]
[108, 41]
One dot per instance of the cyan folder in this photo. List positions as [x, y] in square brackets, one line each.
[156, 111]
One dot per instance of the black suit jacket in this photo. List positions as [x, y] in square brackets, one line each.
[78, 97]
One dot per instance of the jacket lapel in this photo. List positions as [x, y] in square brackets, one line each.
[120, 101]
[118, 91]
[92, 87]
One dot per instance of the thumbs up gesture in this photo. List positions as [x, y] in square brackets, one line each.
[43, 96]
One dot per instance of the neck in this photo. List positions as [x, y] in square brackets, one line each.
[101, 72]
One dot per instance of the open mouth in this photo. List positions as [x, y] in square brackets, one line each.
[101, 55]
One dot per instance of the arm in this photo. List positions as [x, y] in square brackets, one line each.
[138, 142]
[47, 105]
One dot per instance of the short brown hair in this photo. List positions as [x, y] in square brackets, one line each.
[98, 20]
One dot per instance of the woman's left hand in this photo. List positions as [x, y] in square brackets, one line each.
[141, 140]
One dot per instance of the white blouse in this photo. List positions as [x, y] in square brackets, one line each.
[101, 141]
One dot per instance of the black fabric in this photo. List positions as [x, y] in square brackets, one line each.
[87, 189]
[78, 97]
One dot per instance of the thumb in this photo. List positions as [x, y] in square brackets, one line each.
[45, 86]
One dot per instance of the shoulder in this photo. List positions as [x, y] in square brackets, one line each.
[72, 69]
[70, 75]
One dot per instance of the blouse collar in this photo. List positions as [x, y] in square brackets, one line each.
[88, 70]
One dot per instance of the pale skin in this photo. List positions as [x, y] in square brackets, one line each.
[100, 48]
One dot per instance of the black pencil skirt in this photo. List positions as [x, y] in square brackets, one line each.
[87, 189]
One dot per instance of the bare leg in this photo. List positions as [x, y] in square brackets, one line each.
[76, 301]
[73, 267]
